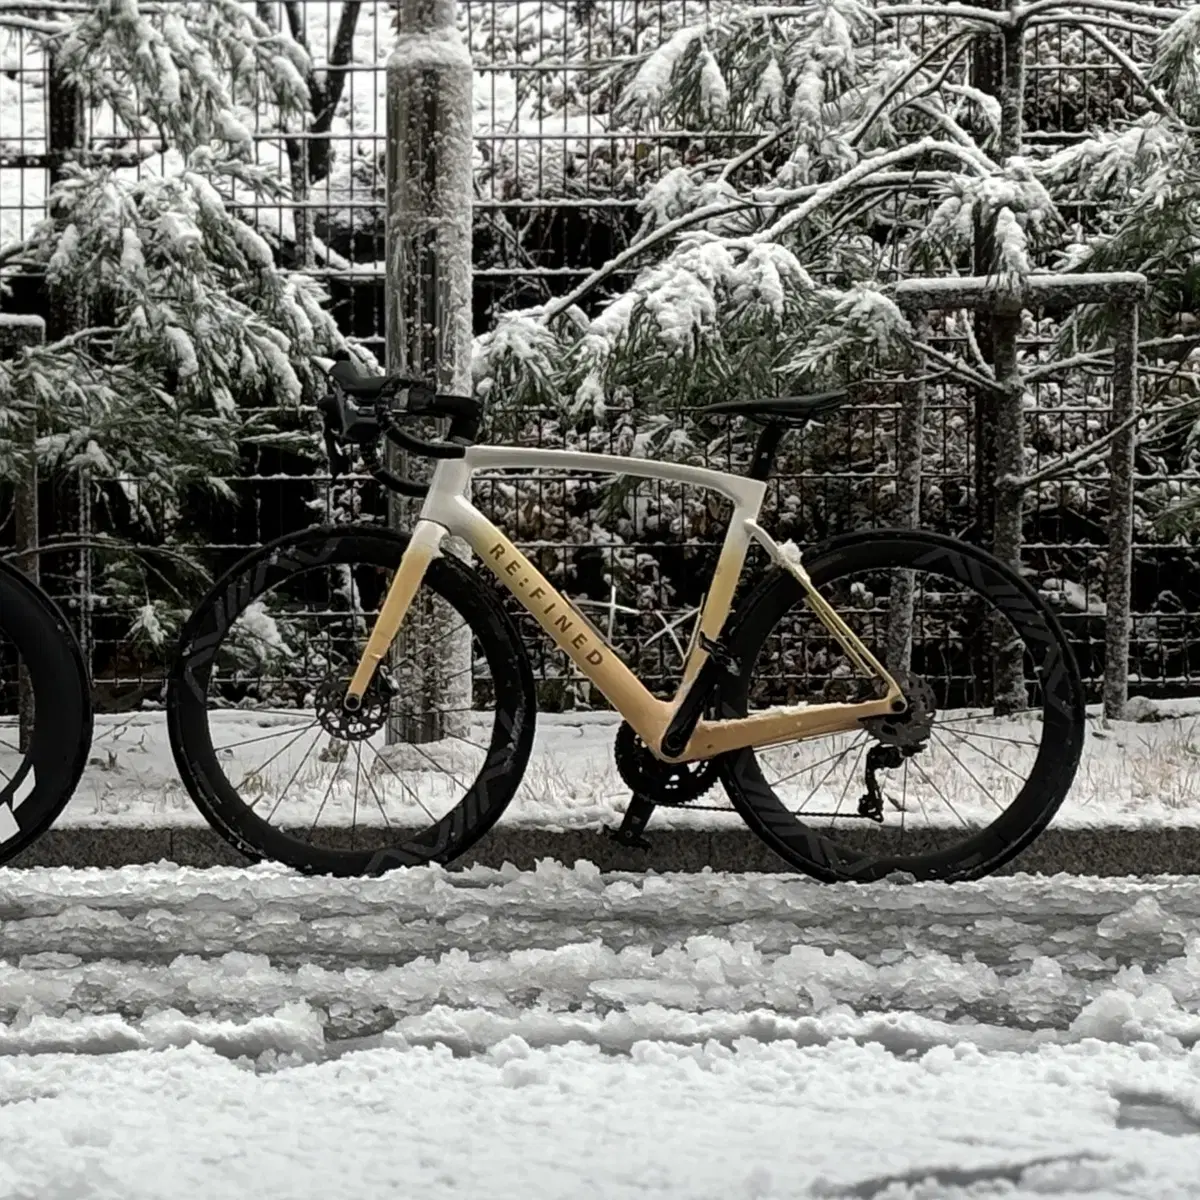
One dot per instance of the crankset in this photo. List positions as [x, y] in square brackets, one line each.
[670, 784]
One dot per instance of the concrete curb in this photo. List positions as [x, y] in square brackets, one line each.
[1103, 851]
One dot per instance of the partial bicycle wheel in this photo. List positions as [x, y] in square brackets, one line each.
[282, 771]
[45, 712]
[969, 775]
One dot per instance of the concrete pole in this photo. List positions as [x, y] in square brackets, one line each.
[429, 328]
[1119, 573]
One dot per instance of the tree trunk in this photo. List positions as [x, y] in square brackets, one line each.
[66, 139]
[1119, 571]
[429, 329]
[910, 452]
[999, 68]
[1008, 653]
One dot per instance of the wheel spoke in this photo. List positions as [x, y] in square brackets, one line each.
[974, 778]
[266, 737]
[287, 786]
[849, 776]
[998, 761]
[357, 773]
[401, 781]
[378, 801]
[282, 750]
[933, 784]
[816, 786]
[324, 800]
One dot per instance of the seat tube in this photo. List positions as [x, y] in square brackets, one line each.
[720, 593]
[423, 546]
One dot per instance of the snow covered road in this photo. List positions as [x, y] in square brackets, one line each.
[559, 1032]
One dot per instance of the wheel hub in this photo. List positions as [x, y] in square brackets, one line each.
[912, 727]
[351, 725]
[663, 782]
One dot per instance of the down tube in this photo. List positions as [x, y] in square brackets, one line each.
[574, 636]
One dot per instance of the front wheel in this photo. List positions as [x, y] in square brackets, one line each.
[418, 773]
[976, 767]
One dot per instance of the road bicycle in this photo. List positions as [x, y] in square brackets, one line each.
[865, 657]
[45, 712]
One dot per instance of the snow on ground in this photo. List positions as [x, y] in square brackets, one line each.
[1132, 774]
[754, 1121]
[166, 1031]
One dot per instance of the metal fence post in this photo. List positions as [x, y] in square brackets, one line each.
[1119, 565]
[17, 332]
[430, 194]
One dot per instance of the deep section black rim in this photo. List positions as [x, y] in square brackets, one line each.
[484, 797]
[830, 857]
[38, 785]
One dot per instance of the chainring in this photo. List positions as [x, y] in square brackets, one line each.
[665, 783]
[912, 727]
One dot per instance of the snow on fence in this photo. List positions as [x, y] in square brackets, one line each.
[558, 177]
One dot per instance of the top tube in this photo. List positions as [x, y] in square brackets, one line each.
[745, 493]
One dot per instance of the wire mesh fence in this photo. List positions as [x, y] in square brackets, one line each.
[559, 175]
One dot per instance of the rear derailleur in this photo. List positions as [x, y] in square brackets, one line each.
[898, 736]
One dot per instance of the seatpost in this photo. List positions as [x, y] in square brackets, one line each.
[764, 451]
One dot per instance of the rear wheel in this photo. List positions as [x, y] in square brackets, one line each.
[976, 767]
[41, 671]
[282, 771]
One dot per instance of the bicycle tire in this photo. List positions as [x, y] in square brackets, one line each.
[807, 849]
[49, 772]
[258, 573]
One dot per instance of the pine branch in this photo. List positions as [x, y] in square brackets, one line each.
[765, 143]
[977, 352]
[968, 12]
[957, 368]
[1071, 7]
[708, 212]
[1086, 456]
[1094, 21]
[898, 86]
[13, 251]
[1098, 358]
[661, 234]
[28, 25]
[1130, 67]
[864, 170]
[951, 126]
[82, 335]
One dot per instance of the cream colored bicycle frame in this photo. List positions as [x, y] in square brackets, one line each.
[447, 510]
